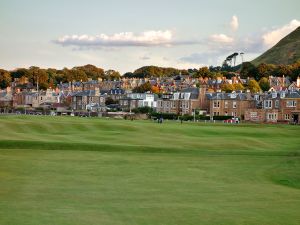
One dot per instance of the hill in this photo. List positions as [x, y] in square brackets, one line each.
[286, 51]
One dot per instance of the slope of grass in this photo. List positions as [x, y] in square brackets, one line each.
[56, 170]
[286, 51]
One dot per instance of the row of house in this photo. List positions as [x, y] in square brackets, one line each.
[279, 104]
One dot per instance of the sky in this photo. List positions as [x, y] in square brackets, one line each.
[127, 34]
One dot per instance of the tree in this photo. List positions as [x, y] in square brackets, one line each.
[265, 70]
[254, 86]
[5, 78]
[38, 76]
[112, 75]
[203, 72]
[264, 84]
[249, 70]
[142, 88]
[238, 87]
[128, 75]
[283, 70]
[20, 73]
[155, 89]
[78, 75]
[92, 71]
[228, 88]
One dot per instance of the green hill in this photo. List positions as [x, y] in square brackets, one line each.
[286, 51]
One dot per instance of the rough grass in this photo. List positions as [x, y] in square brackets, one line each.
[56, 170]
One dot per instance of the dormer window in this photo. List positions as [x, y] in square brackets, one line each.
[233, 95]
[274, 94]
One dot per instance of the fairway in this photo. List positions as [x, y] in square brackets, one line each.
[88, 171]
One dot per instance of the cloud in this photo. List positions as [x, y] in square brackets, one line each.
[145, 57]
[219, 46]
[221, 38]
[273, 37]
[234, 24]
[125, 39]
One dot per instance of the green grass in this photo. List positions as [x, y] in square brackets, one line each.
[63, 171]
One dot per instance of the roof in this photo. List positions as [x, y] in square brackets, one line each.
[228, 96]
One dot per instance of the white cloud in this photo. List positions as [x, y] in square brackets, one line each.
[147, 38]
[145, 57]
[272, 37]
[221, 38]
[234, 24]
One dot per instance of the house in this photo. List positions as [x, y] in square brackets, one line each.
[44, 98]
[135, 100]
[180, 103]
[116, 93]
[6, 98]
[229, 104]
[88, 100]
[283, 106]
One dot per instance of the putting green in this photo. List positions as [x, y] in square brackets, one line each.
[64, 170]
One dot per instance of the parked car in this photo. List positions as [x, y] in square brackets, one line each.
[232, 120]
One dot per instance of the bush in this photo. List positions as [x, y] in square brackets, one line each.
[143, 110]
[168, 116]
[197, 117]
[222, 117]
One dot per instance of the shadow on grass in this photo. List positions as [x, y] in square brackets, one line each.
[39, 145]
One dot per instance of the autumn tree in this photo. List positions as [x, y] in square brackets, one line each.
[78, 75]
[265, 70]
[264, 84]
[249, 70]
[92, 71]
[142, 88]
[228, 88]
[203, 72]
[155, 89]
[5, 78]
[238, 87]
[253, 86]
[38, 76]
[112, 75]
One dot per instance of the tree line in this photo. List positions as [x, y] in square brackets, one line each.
[49, 78]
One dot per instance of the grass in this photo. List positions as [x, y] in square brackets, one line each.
[63, 170]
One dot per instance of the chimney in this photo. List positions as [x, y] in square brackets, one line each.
[248, 94]
[97, 91]
[298, 82]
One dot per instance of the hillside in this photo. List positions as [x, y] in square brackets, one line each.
[286, 51]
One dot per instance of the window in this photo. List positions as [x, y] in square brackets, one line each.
[268, 103]
[216, 104]
[271, 116]
[277, 104]
[226, 104]
[234, 105]
[291, 103]
[187, 105]
[287, 116]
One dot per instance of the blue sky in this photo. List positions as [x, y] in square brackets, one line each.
[128, 34]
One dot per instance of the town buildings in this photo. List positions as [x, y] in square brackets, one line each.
[180, 95]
